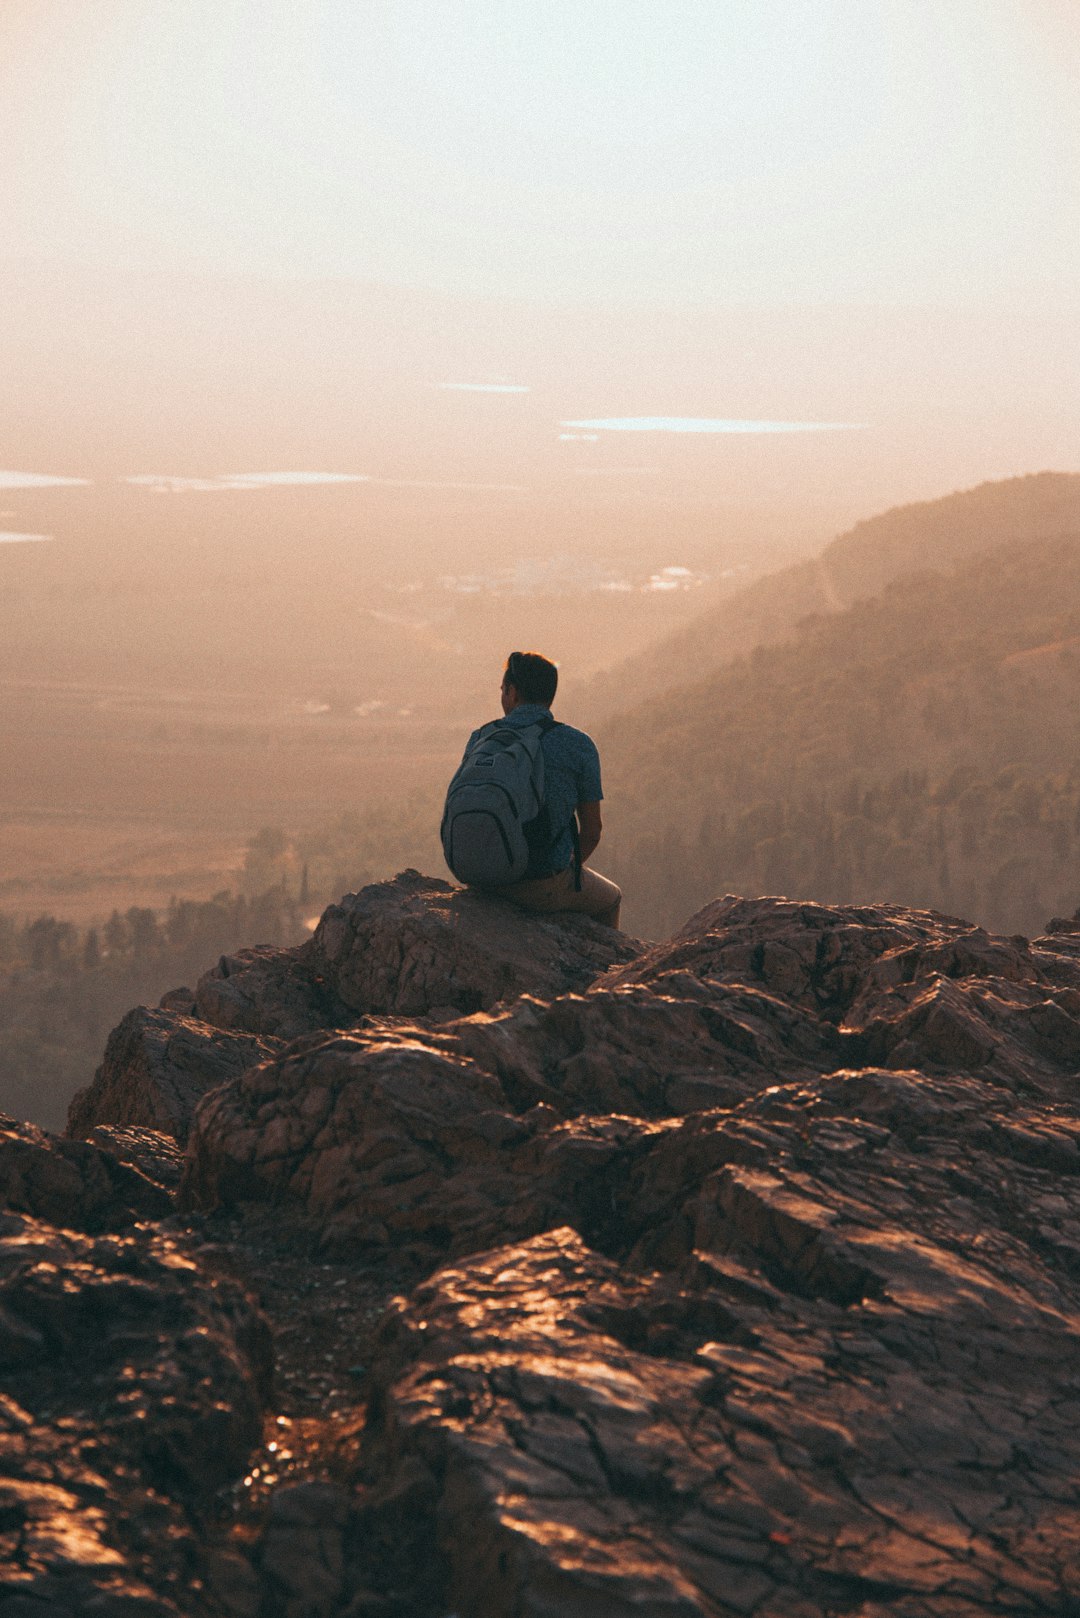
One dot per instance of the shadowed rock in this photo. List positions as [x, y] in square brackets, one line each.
[74, 1183]
[267, 991]
[157, 1067]
[132, 1389]
[457, 1135]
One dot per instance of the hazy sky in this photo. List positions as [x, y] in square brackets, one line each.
[749, 149]
[689, 154]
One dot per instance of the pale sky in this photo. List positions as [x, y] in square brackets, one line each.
[749, 150]
[420, 240]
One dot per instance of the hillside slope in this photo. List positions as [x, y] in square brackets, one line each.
[906, 539]
[922, 747]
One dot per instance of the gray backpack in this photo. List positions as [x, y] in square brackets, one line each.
[494, 821]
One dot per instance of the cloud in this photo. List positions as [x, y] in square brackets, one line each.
[166, 483]
[38, 480]
[17, 539]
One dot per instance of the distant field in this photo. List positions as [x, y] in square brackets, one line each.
[82, 867]
[114, 797]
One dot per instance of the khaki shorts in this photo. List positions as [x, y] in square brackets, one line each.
[598, 896]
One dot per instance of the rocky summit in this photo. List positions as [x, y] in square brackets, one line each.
[461, 1262]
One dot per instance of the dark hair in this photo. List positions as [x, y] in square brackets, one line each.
[533, 677]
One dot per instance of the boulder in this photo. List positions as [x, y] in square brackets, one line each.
[74, 1183]
[276, 992]
[157, 1066]
[416, 946]
[451, 1135]
[133, 1389]
[370, 1145]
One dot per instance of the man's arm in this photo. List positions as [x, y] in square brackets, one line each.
[590, 827]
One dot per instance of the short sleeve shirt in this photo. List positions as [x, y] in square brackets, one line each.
[571, 777]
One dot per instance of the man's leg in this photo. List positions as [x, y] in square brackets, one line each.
[598, 896]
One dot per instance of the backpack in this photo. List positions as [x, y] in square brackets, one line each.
[494, 820]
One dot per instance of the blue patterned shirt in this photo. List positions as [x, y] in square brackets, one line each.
[571, 777]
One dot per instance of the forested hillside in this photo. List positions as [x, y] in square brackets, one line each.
[904, 540]
[921, 747]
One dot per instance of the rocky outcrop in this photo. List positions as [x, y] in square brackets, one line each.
[75, 1183]
[737, 1274]
[821, 1411]
[133, 1386]
[275, 992]
[490, 1126]
[417, 946]
[158, 1065]
[413, 947]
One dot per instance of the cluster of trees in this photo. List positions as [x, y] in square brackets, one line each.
[922, 748]
[62, 987]
[317, 864]
[1004, 851]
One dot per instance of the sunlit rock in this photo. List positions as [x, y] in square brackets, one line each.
[736, 1274]
[416, 945]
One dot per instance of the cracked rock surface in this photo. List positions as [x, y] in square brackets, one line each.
[132, 1389]
[738, 1274]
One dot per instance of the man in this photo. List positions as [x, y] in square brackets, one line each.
[558, 877]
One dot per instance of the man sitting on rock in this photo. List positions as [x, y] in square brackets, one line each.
[553, 822]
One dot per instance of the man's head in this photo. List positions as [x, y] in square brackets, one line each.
[528, 677]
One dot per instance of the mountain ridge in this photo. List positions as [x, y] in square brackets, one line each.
[918, 746]
[901, 540]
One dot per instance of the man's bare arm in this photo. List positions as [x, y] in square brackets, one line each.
[590, 827]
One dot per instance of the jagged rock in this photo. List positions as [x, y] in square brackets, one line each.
[373, 1140]
[835, 1403]
[269, 991]
[1024, 1035]
[133, 1388]
[447, 1136]
[157, 1066]
[155, 1154]
[760, 1285]
[417, 945]
[820, 957]
[674, 1046]
[451, 1136]
[73, 1183]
